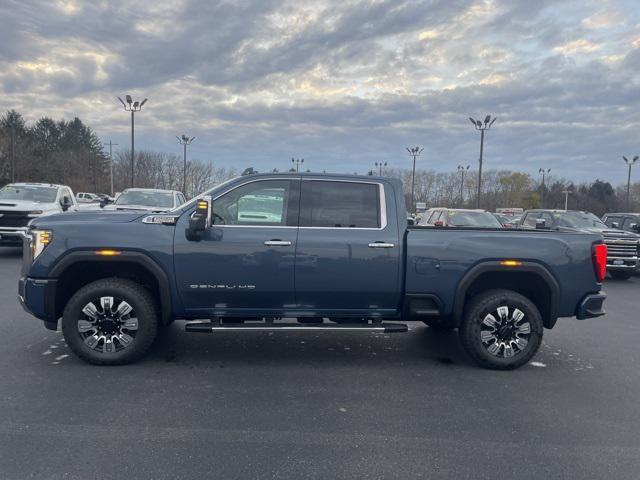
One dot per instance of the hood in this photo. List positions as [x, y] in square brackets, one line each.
[23, 205]
[85, 217]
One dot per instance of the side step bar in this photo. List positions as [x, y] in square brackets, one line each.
[210, 327]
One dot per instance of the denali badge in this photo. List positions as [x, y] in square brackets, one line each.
[222, 287]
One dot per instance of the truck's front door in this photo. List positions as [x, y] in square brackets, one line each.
[244, 263]
[349, 250]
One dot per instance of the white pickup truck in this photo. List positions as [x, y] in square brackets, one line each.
[22, 202]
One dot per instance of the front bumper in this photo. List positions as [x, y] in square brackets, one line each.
[622, 263]
[38, 298]
[591, 306]
[13, 235]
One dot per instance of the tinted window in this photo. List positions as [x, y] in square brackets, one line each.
[578, 220]
[145, 198]
[472, 219]
[628, 221]
[610, 220]
[29, 193]
[257, 203]
[340, 204]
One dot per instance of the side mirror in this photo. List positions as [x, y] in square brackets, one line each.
[66, 203]
[200, 219]
[103, 202]
[411, 221]
[615, 225]
[635, 227]
[541, 223]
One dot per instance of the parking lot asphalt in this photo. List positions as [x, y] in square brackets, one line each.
[321, 405]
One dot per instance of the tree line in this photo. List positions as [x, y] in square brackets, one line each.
[71, 153]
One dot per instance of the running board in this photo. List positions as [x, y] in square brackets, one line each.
[209, 327]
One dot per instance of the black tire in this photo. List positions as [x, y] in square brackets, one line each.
[438, 325]
[621, 274]
[478, 338]
[120, 290]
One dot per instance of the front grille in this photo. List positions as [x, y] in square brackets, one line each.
[621, 247]
[11, 218]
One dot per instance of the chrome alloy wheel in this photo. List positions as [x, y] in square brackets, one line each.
[505, 332]
[110, 325]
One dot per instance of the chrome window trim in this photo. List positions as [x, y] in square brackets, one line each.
[382, 204]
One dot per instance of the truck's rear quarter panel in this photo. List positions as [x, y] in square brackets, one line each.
[438, 259]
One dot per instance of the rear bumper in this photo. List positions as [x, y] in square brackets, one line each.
[591, 306]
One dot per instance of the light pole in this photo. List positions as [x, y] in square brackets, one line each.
[111, 145]
[566, 199]
[462, 169]
[415, 153]
[380, 165]
[481, 127]
[184, 141]
[132, 107]
[543, 172]
[297, 162]
[629, 164]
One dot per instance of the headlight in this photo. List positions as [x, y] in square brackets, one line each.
[40, 239]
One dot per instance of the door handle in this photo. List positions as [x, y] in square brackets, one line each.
[381, 245]
[277, 243]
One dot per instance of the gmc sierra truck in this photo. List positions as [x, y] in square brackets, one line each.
[302, 252]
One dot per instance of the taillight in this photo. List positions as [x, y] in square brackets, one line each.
[600, 261]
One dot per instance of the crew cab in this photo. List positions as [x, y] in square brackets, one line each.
[629, 222]
[623, 247]
[303, 251]
[22, 202]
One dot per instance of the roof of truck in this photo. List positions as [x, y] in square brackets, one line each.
[34, 184]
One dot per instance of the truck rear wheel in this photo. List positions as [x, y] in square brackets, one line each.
[501, 329]
[112, 321]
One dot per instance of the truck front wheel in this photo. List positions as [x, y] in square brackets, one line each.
[501, 329]
[112, 321]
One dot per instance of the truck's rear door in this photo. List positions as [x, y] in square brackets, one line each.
[349, 252]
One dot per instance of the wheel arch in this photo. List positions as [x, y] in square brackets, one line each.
[530, 279]
[81, 268]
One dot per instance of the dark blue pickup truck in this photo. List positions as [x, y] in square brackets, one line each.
[302, 251]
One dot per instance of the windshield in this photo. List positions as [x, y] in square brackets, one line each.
[473, 219]
[146, 199]
[29, 193]
[578, 220]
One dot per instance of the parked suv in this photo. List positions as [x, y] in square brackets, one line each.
[629, 222]
[22, 202]
[146, 199]
[458, 217]
[623, 247]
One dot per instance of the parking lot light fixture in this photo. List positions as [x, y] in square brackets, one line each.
[380, 165]
[543, 172]
[414, 152]
[133, 107]
[462, 169]
[184, 141]
[629, 164]
[297, 162]
[481, 127]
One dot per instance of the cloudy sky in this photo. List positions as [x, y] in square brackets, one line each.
[342, 83]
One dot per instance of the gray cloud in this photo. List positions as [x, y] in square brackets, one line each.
[341, 83]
